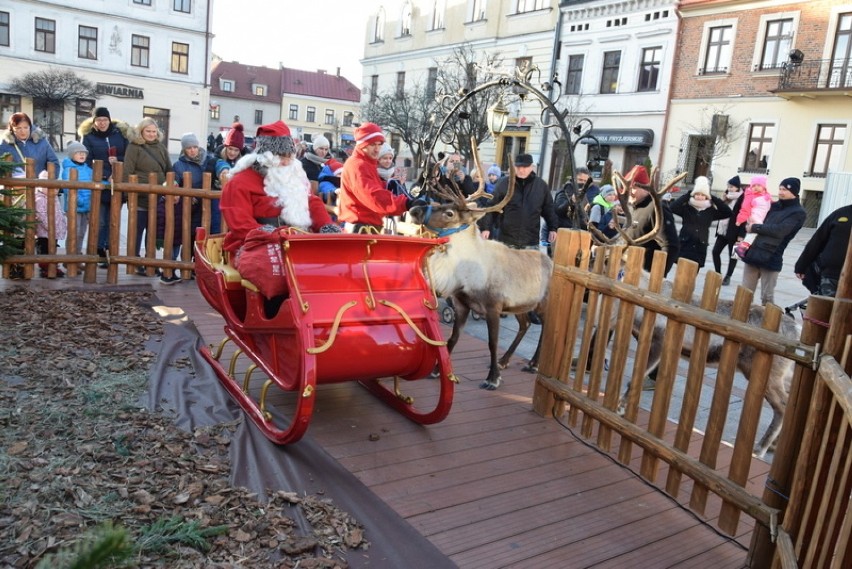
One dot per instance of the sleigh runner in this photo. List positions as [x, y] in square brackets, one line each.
[356, 308]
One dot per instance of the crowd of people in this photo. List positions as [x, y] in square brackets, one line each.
[283, 182]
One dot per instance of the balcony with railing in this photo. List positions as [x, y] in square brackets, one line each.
[816, 77]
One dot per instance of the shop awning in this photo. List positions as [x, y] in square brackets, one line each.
[622, 137]
[347, 137]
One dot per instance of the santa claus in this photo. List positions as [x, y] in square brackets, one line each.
[269, 188]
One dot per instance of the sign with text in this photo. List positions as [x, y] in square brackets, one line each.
[119, 90]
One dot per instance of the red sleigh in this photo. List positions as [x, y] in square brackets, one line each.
[358, 308]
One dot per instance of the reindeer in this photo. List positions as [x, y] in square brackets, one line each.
[781, 371]
[481, 275]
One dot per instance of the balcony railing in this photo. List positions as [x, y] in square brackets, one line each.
[816, 75]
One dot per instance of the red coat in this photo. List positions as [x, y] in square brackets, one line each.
[244, 200]
[364, 197]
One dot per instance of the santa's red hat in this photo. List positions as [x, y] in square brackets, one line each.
[274, 138]
[235, 136]
[368, 133]
[639, 176]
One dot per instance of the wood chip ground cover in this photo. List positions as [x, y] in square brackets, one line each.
[78, 452]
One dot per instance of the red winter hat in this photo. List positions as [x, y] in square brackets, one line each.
[368, 133]
[235, 136]
[335, 166]
[639, 175]
[274, 138]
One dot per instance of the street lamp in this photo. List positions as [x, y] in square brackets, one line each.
[498, 117]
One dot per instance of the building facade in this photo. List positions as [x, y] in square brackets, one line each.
[615, 63]
[145, 58]
[763, 87]
[408, 41]
[312, 103]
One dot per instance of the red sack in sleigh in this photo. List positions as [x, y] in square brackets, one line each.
[261, 262]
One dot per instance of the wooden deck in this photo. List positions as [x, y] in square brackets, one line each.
[494, 485]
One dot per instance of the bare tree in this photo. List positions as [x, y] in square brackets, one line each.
[52, 91]
[458, 75]
[716, 134]
[410, 116]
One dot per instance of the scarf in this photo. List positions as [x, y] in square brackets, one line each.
[700, 205]
[311, 157]
[386, 173]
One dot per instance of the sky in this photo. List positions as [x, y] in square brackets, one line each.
[307, 34]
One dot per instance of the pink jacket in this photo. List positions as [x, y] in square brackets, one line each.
[755, 207]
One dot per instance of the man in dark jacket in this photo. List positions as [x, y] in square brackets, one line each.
[644, 218]
[572, 205]
[106, 140]
[521, 218]
[766, 255]
[826, 252]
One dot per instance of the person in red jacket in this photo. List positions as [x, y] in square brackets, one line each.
[269, 188]
[364, 197]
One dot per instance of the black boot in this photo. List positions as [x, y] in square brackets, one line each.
[102, 253]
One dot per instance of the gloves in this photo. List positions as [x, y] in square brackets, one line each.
[330, 228]
[412, 202]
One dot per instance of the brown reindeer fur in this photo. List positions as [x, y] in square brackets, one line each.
[485, 276]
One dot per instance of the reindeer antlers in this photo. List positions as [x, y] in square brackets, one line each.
[624, 186]
[454, 194]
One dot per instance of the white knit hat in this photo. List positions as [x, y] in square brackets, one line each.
[320, 142]
[702, 186]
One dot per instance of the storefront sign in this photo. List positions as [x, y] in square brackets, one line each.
[119, 90]
[626, 137]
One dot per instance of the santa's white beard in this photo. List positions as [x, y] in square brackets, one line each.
[290, 187]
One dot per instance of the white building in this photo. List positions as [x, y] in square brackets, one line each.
[406, 41]
[146, 58]
[616, 62]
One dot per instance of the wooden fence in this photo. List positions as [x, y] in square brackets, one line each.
[123, 193]
[607, 295]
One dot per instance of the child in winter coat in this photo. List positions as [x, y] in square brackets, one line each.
[76, 160]
[42, 199]
[601, 212]
[755, 206]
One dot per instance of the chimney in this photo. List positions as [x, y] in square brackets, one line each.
[338, 72]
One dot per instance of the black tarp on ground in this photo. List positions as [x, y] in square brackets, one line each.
[195, 397]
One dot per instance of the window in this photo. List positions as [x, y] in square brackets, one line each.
[45, 35]
[609, 75]
[143, 2]
[431, 82]
[574, 77]
[827, 149]
[184, 6]
[374, 88]
[777, 43]
[227, 85]
[718, 55]
[477, 10]
[329, 116]
[87, 43]
[405, 20]
[214, 112]
[840, 73]
[379, 27]
[4, 28]
[437, 15]
[180, 58]
[294, 113]
[761, 140]
[649, 72]
[258, 117]
[348, 116]
[311, 115]
[400, 84]
[9, 105]
[260, 90]
[140, 50]
[529, 6]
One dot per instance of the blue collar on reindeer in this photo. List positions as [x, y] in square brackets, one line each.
[441, 232]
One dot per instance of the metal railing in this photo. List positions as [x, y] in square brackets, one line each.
[816, 75]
